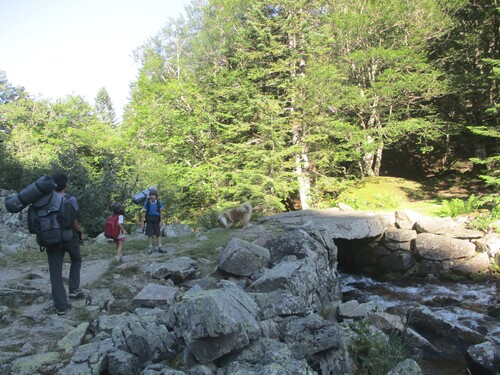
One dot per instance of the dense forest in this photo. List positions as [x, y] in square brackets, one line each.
[282, 103]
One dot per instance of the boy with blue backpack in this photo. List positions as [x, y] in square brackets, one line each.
[152, 218]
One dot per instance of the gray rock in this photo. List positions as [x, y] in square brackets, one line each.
[386, 322]
[425, 321]
[406, 367]
[484, 358]
[216, 322]
[34, 363]
[310, 335]
[347, 225]
[405, 219]
[397, 261]
[154, 295]
[489, 244]
[121, 362]
[395, 246]
[435, 247]
[177, 269]
[354, 310]
[399, 235]
[73, 339]
[445, 227]
[176, 230]
[91, 358]
[477, 264]
[103, 298]
[243, 258]
[279, 303]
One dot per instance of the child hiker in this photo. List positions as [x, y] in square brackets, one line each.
[152, 218]
[119, 209]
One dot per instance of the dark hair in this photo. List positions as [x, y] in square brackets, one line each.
[61, 180]
[118, 208]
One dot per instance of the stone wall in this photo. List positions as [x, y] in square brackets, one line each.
[402, 242]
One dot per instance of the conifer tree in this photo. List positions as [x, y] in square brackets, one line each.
[104, 107]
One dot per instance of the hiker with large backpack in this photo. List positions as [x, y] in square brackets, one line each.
[152, 218]
[71, 245]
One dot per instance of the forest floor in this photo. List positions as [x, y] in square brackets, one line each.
[425, 195]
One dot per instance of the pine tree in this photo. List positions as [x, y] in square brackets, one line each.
[104, 107]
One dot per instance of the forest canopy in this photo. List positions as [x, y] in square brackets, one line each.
[280, 103]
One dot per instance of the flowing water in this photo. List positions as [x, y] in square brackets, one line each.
[465, 304]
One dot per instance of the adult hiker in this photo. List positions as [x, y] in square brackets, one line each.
[152, 218]
[56, 253]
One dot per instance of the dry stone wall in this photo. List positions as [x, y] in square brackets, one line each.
[402, 242]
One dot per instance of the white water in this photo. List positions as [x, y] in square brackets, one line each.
[459, 303]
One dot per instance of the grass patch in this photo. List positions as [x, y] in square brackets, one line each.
[389, 194]
[24, 256]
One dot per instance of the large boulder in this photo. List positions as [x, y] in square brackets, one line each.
[435, 247]
[243, 258]
[216, 322]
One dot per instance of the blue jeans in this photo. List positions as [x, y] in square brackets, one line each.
[55, 257]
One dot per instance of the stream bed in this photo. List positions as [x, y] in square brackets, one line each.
[473, 306]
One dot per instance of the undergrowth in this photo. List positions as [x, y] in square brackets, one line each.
[377, 352]
[483, 211]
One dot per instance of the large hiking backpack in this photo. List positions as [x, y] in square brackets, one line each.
[111, 228]
[51, 218]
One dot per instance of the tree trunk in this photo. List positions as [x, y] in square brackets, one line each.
[378, 159]
[302, 171]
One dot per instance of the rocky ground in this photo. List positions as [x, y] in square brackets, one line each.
[28, 323]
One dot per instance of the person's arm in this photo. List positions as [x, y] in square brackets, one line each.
[76, 224]
[121, 220]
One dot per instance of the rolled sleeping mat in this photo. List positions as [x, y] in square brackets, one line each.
[139, 198]
[31, 193]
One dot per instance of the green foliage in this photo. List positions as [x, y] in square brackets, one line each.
[104, 107]
[272, 103]
[209, 219]
[484, 211]
[377, 352]
[456, 206]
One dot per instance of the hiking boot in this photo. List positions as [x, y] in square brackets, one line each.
[60, 312]
[161, 251]
[76, 294]
[150, 250]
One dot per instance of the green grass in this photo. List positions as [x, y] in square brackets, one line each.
[389, 194]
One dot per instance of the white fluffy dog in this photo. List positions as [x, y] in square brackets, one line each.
[231, 216]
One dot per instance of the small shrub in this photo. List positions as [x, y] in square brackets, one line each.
[456, 206]
[376, 351]
[484, 211]
[209, 219]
